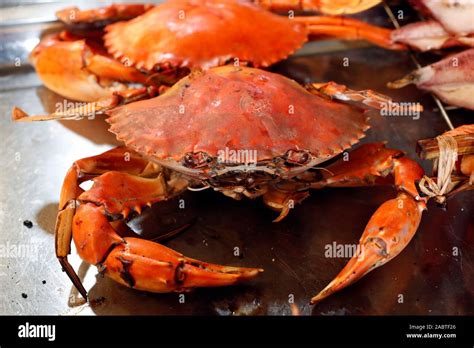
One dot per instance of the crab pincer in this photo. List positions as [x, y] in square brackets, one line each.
[387, 233]
[394, 223]
[79, 69]
[93, 219]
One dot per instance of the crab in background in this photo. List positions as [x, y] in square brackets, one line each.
[132, 51]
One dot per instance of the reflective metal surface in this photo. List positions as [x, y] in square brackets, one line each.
[433, 275]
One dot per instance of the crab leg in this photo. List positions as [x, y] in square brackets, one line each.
[89, 109]
[341, 92]
[134, 262]
[393, 224]
[349, 29]
[370, 164]
[279, 201]
[80, 171]
[367, 97]
[324, 6]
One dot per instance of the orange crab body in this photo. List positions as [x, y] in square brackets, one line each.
[204, 34]
[239, 108]
[193, 33]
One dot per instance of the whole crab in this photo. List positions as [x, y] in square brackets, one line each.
[176, 141]
[109, 50]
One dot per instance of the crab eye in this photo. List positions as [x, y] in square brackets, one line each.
[188, 160]
[249, 180]
[196, 160]
[297, 156]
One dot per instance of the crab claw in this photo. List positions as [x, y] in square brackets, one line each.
[349, 29]
[81, 70]
[388, 232]
[149, 266]
[95, 220]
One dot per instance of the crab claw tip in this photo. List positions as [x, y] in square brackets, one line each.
[355, 269]
[197, 273]
[317, 298]
[18, 114]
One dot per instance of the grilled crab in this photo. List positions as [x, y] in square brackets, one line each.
[175, 141]
[110, 50]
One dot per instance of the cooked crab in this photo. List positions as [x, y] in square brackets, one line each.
[157, 45]
[175, 141]
[83, 64]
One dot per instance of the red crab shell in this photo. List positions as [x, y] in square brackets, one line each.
[197, 33]
[238, 108]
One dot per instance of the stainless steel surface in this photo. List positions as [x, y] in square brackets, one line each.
[35, 157]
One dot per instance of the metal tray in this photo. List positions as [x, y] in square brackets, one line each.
[35, 157]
